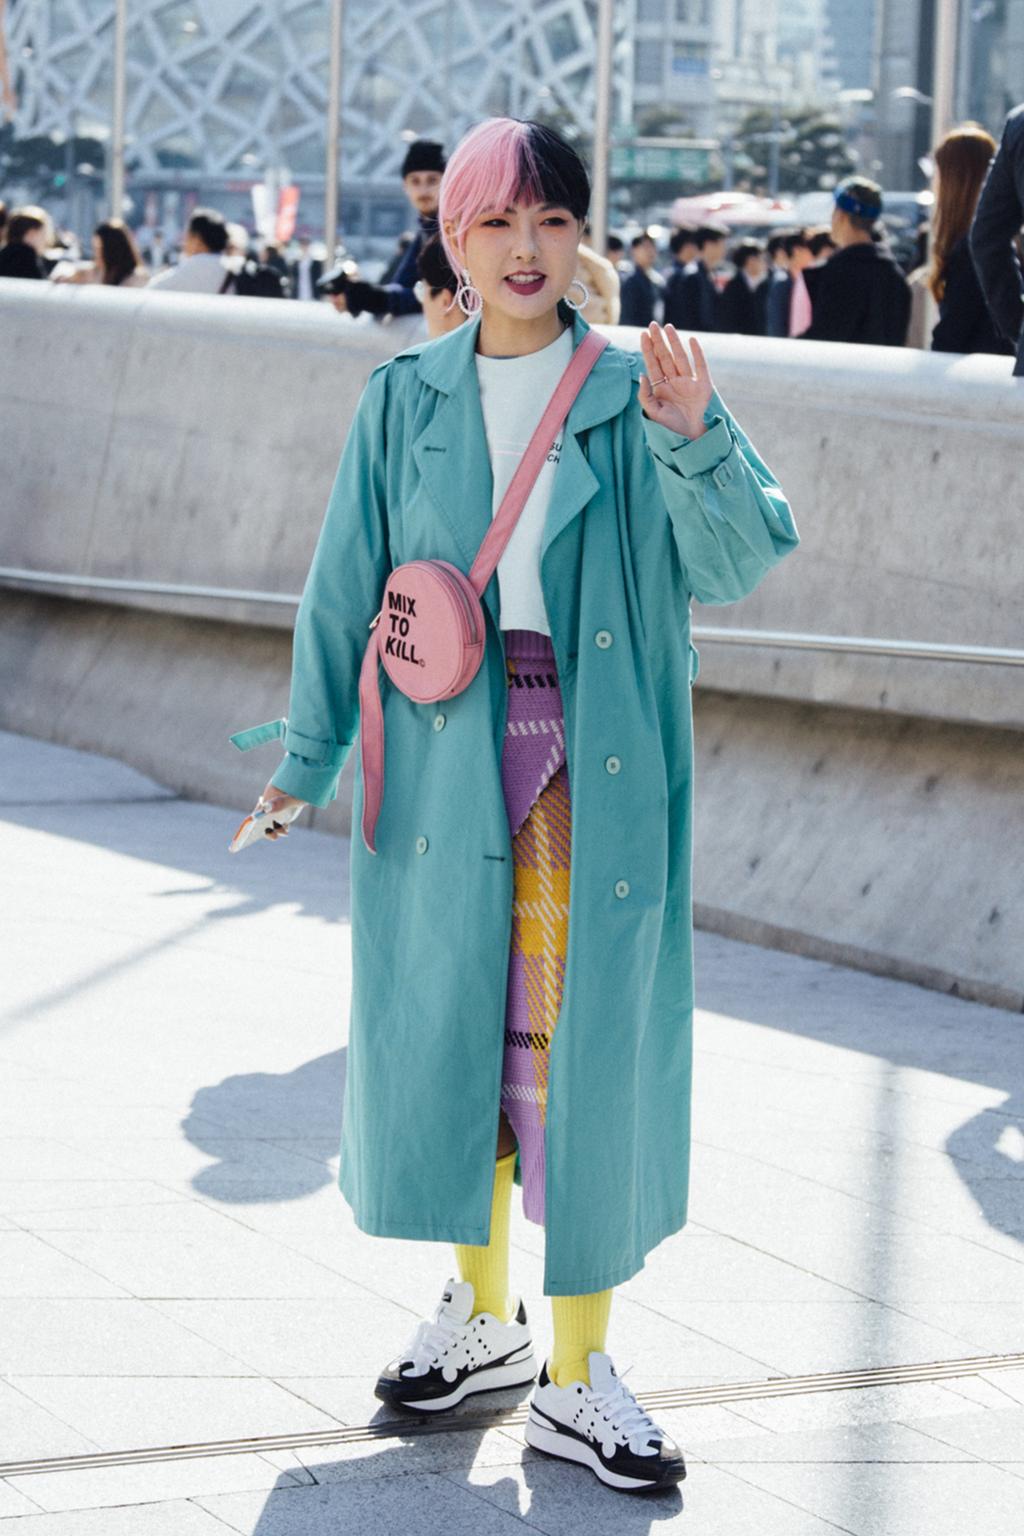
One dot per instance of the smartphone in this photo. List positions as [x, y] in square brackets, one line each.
[259, 822]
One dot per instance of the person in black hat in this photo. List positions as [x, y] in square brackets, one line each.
[859, 294]
[422, 170]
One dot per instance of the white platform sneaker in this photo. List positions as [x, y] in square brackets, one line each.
[457, 1354]
[603, 1427]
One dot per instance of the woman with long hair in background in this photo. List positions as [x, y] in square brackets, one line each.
[116, 260]
[965, 325]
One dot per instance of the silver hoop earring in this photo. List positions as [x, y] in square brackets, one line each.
[576, 283]
[468, 298]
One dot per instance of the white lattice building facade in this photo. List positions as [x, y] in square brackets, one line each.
[219, 92]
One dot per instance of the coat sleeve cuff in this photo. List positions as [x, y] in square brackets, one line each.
[323, 754]
[310, 768]
[306, 780]
[688, 456]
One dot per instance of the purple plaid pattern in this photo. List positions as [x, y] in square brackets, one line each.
[536, 787]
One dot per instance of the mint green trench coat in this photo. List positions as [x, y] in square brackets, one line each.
[640, 520]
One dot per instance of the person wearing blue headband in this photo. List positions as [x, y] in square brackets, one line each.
[859, 294]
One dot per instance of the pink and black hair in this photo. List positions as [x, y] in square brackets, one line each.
[505, 160]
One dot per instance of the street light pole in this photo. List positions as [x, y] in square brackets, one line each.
[947, 26]
[331, 175]
[602, 125]
[117, 126]
[775, 145]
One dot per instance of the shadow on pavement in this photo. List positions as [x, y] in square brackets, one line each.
[906, 1027]
[307, 871]
[304, 1106]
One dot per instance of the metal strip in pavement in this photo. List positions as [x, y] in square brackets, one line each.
[497, 1418]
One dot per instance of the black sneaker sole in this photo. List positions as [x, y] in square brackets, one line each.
[563, 1448]
[494, 1378]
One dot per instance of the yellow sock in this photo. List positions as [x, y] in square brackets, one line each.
[486, 1265]
[581, 1323]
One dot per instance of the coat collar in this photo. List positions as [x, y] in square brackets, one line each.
[451, 451]
[445, 363]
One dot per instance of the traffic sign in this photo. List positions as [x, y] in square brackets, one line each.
[651, 161]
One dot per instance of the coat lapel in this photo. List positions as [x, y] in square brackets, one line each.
[451, 452]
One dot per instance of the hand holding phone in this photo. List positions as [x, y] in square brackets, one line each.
[269, 816]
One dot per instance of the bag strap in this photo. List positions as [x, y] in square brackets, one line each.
[371, 714]
[532, 461]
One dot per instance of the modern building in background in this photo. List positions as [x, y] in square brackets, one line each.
[989, 77]
[771, 55]
[905, 43]
[806, 45]
[991, 73]
[851, 27]
[672, 62]
[223, 94]
[228, 96]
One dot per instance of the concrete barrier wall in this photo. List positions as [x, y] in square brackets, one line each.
[886, 843]
[871, 840]
[860, 808]
[186, 439]
[173, 438]
[904, 471]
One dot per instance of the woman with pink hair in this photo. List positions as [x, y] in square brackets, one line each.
[493, 1038]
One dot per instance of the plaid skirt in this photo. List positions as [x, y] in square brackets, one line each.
[536, 788]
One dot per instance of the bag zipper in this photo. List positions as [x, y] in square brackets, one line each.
[464, 603]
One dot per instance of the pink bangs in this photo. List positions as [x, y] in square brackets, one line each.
[492, 167]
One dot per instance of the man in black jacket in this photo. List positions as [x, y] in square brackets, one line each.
[27, 238]
[779, 288]
[305, 272]
[642, 290]
[692, 303]
[997, 222]
[860, 294]
[422, 170]
[741, 308]
[684, 250]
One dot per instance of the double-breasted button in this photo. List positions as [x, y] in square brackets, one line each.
[612, 764]
[421, 844]
[622, 888]
[439, 721]
[603, 638]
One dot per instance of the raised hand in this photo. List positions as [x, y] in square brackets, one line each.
[675, 390]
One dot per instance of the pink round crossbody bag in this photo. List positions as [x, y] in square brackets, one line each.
[430, 632]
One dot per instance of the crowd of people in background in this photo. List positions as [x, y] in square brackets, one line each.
[835, 282]
[830, 283]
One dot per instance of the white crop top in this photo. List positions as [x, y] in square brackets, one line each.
[513, 393]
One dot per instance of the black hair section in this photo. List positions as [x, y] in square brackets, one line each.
[563, 176]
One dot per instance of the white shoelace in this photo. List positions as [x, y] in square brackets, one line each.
[429, 1342]
[624, 1413]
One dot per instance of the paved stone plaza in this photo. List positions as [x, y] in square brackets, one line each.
[178, 1269]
